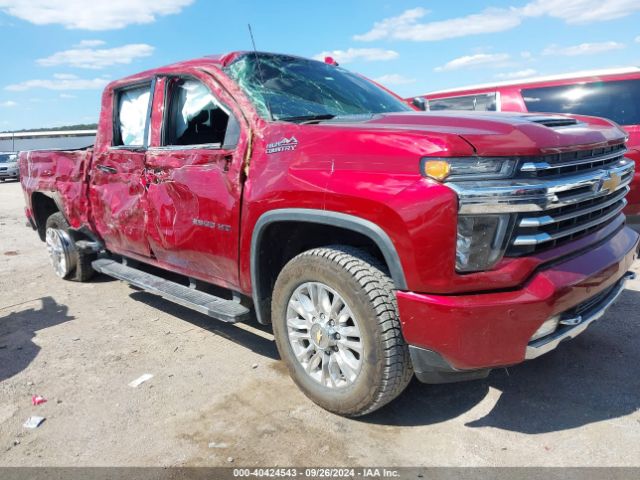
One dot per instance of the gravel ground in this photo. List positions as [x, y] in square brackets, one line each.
[220, 396]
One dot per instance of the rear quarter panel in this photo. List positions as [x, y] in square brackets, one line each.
[61, 176]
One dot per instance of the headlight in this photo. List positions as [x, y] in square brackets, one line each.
[480, 241]
[467, 168]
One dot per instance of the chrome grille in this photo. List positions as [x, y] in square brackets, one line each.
[553, 199]
[571, 162]
[533, 233]
[581, 206]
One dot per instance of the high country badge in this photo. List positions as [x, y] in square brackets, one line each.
[284, 145]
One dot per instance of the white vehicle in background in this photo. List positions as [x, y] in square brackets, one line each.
[9, 166]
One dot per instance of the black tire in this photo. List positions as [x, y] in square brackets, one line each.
[83, 271]
[366, 287]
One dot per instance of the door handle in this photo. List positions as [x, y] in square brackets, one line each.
[227, 161]
[105, 169]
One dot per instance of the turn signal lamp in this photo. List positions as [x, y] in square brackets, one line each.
[467, 168]
[436, 169]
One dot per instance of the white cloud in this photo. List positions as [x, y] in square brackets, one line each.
[406, 26]
[479, 59]
[89, 43]
[65, 76]
[582, 49]
[389, 26]
[59, 82]
[8, 104]
[97, 58]
[526, 55]
[67, 96]
[353, 54]
[100, 15]
[394, 79]
[581, 11]
[528, 72]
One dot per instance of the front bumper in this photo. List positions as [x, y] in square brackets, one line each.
[573, 324]
[481, 331]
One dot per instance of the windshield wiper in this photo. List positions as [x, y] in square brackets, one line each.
[308, 118]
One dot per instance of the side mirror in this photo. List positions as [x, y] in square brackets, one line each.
[420, 103]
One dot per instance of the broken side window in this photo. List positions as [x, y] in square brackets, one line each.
[196, 117]
[132, 115]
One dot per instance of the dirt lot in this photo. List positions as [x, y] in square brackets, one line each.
[219, 395]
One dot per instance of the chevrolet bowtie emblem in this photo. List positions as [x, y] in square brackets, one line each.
[611, 183]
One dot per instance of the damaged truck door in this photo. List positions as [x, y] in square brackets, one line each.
[117, 192]
[193, 179]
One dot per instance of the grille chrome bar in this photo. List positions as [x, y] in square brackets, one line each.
[532, 222]
[544, 237]
[538, 166]
[537, 194]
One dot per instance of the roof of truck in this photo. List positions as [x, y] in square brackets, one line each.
[215, 61]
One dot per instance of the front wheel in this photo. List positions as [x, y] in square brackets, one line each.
[336, 325]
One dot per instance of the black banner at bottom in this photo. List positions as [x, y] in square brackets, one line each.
[224, 473]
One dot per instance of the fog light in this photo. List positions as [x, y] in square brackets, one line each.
[547, 328]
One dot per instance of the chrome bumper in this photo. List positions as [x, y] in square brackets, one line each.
[578, 323]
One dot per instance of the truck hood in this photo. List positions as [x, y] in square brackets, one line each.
[501, 133]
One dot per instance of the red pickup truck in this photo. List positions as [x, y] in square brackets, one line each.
[378, 241]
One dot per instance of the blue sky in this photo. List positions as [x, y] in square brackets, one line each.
[58, 54]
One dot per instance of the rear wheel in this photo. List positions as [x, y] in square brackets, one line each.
[336, 325]
[68, 262]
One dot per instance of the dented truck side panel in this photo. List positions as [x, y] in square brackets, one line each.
[61, 177]
[117, 193]
[193, 195]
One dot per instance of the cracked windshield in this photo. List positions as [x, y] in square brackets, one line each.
[296, 89]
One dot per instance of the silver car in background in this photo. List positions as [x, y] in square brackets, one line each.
[9, 166]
